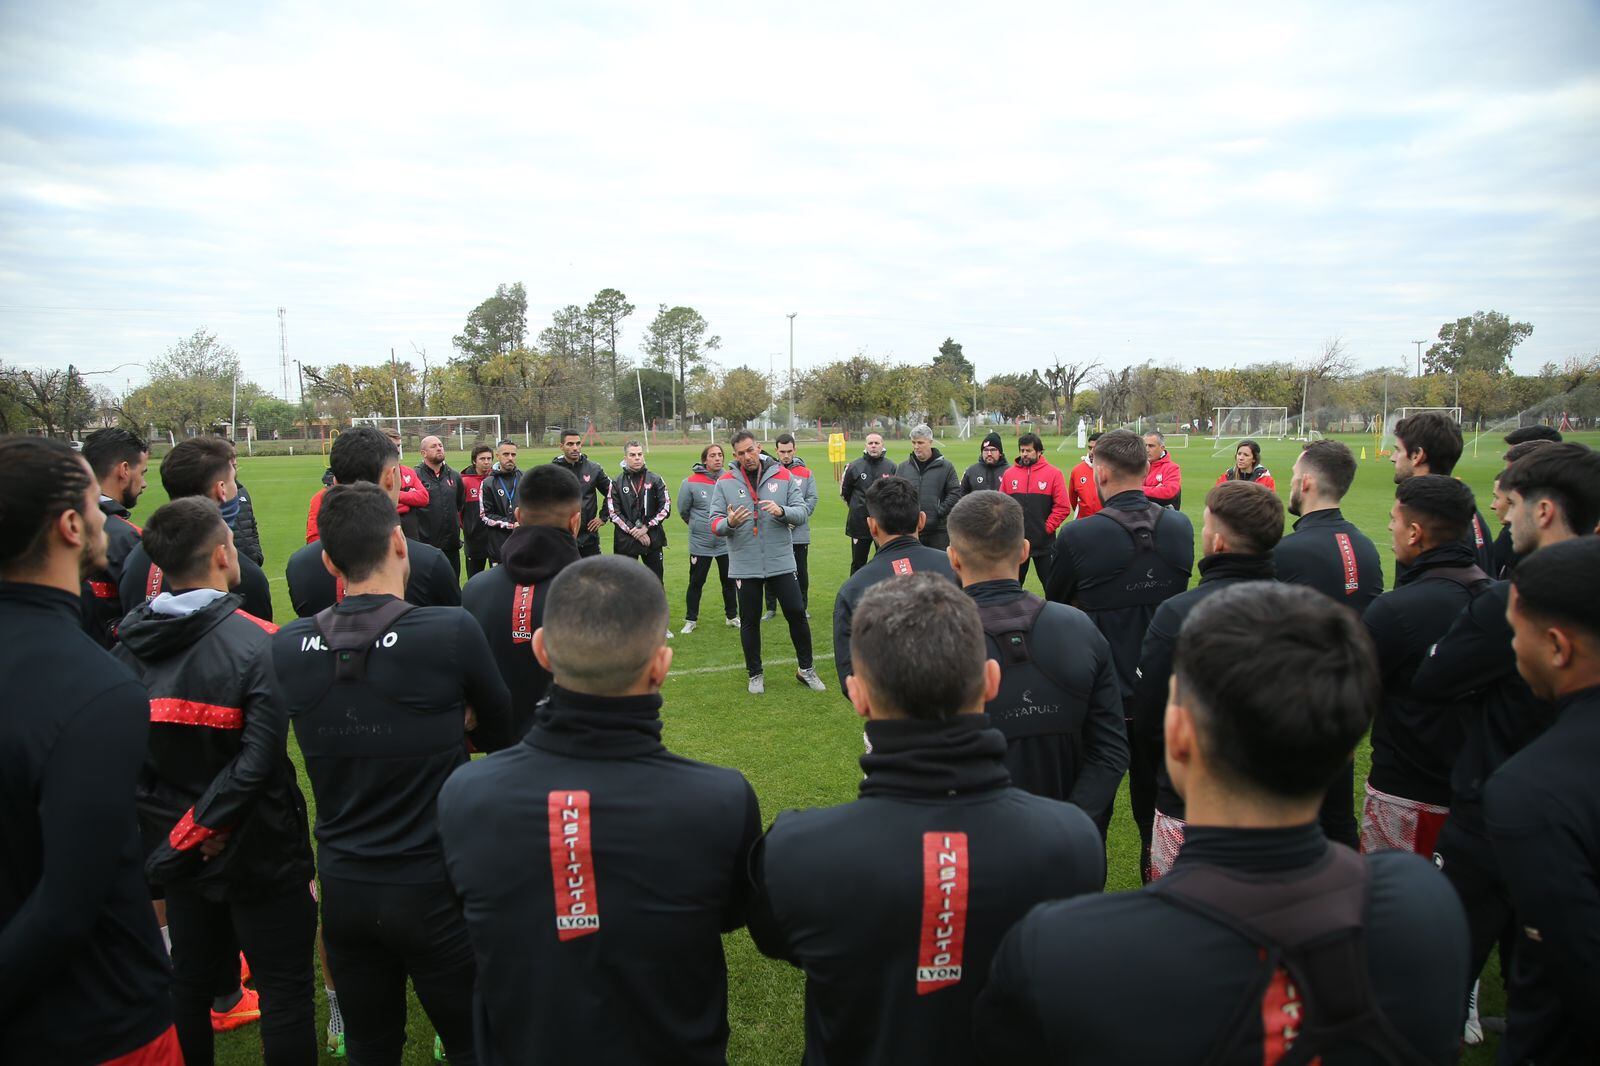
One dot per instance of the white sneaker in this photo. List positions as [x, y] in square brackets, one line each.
[732, 623]
[669, 634]
[808, 677]
[1473, 1035]
[758, 685]
[769, 616]
[689, 626]
[808, 616]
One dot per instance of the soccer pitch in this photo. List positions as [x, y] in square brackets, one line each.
[799, 748]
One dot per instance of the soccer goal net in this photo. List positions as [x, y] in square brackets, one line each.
[458, 432]
[1395, 417]
[1231, 424]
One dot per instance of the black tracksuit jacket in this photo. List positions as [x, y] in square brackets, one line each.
[639, 501]
[1131, 978]
[608, 950]
[83, 975]
[1477, 539]
[1149, 710]
[1544, 817]
[218, 759]
[1083, 764]
[102, 593]
[1473, 668]
[433, 581]
[508, 602]
[596, 486]
[1327, 553]
[894, 904]
[139, 574]
[902, 555]
[497, 508]
[1416, 736]
[246, 534]
[980, 475]
[378, 752]
[439, 523]
[858, 478]
[1091, 570]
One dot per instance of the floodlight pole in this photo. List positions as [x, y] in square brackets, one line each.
[791, 370]
[1419, 345]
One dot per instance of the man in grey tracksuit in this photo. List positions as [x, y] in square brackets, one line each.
[755, 506]
[694, 507]
[801, 534]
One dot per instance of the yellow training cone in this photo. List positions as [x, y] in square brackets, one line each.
[1363, 453]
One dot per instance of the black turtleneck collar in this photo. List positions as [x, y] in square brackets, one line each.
[584, 726]
[537, 553]
[364, 601]
[997, 591]
[1257, 851]
[1129, 499]
[909, 540]
[39, 597]
[1455, 554]
[1235, 566]
[1320, 517]
[953, 757]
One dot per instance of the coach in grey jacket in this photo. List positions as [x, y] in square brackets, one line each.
[801, 534]
[755, 507]
[938, 485]
[694, 507]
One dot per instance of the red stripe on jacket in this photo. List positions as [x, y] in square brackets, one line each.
[190, 712]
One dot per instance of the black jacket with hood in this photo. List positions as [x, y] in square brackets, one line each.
[508, 602]
[217, 760]
[938, 487]
[102, 594]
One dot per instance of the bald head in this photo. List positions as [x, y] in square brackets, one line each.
[433, 451]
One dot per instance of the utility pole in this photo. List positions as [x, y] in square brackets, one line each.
[283, 353]
[1419, 345]
[791, 370]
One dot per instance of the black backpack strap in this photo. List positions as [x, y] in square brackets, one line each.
[1009, 624]
[1314, 927]
[1471, 578]
[350, 634]
[1140, 525]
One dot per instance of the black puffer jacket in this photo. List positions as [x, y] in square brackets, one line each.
[938, 487]
[859, 476]
[246, 535]
[217, 758]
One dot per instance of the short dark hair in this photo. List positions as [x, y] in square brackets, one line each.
[549, 495]
[44, 478]
[739, 435]
[1566, 474]
[1255, 449]
[632, 442]
[1561, 584]
[1440, 504]
[1095, 436]
[783, 438]
[894, 504]
[194, 465]
[1530, 433]
[361, 453]
[105, 448]
[479, 449]
[1251, 511]
[1123, 451]
[1033, 441]
[918, 643]
[1284, 720]
[354, 523]
[1333, 464]
[182, 534]
[603, 621]
[570, 433]
[1437, 436]
[1527, 447]
[987, 526]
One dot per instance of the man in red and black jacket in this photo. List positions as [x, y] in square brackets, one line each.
[474, 534]
[1083, 495]
[508, 601]
[220, 809]
[1163, 483]
[119, 460]
[1042, 492]
[413, 493]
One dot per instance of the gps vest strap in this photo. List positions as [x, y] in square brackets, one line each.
[1029, 702]
[1312, 929]
[1148, 578]
[1471, 578]
[350, 635]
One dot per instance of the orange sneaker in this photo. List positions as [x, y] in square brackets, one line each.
[244, 969]
[244, 1012]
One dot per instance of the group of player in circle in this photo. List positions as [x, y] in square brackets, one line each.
[563, 898]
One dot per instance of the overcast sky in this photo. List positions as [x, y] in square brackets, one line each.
[1198, 184]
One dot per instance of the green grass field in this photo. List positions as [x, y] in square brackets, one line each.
[798, 748]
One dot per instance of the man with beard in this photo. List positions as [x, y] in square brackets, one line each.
[938, 487]
[1163, 484]
[694, 507]
[83, 975]
[439, 522]
[596, 488]
[859, 476]
[1327, 552]
[508, 601]
[497, 505]
[119, 460]
[986, 472]
[1042, 492]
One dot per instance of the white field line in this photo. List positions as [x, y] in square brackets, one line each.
[740, 666]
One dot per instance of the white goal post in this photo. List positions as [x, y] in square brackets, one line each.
[1236, 423]
[1407, 412]
[462, 431]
